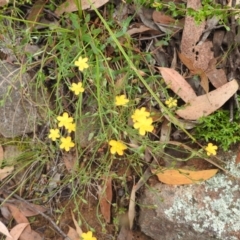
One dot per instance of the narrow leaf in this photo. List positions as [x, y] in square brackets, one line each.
[17, 231]
[208, 103]
[4, 230]
[183, 176]
[178, 84]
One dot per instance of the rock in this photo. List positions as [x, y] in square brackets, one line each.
[210, 210]
[18, 115]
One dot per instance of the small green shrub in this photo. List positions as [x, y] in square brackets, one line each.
[218, 128]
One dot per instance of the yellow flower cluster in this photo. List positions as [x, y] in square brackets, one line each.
[171, 102]
[67, 122]
[142, 121]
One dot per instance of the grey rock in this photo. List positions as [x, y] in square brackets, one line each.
[210, 210]
[18, 114]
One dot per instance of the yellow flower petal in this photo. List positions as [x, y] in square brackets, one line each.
[81, 63]
[144, 126]
[171, 102]
[121, 100]
[66, 143]
[54, 134]
[88, 236]
[211, 149]
[140, 115]
[71, 127]
[64, 120]
[117, 147]
[77, 88]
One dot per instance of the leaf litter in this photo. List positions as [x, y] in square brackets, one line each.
[200, 50]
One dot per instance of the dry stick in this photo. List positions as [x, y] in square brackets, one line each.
[45, 216]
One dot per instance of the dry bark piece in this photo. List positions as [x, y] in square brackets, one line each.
[208, 103]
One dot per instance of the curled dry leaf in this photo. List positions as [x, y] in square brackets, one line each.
[177, 83]
[183, 176]
[208, 103]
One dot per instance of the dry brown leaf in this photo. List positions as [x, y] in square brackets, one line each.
[131, 207]
[165, 131]
[6, 212]
[30, 209]
[189, 64]
[125, 234]
[5, 172]
[1, 155]
[72, 234]
[3, 2]
[30, 234]
[183, 176]
[160, 17]
[17, 230]
[35, 12]
[17, 214]
[78, 229]
[177, 83]
[208, 103]
[70, 161]
[70, 5]
[140, 29]
[217, 77]
[105, 198]
[4, 230]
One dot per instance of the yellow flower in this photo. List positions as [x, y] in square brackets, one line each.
[88, 236]
[140, 115]
[66, 143]
[171, 102]
[144, 126]
[117, 147]
[121, 100]
[211, 149]
[71, 127]
[77, 88]
[64, 120]
[54, 134]
[81, 63]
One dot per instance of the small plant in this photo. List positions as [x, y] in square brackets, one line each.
[218, 128]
